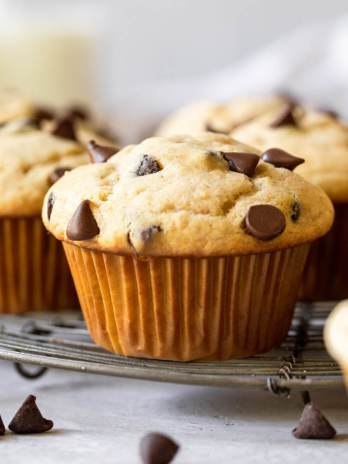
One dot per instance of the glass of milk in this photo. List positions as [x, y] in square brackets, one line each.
[48, 50]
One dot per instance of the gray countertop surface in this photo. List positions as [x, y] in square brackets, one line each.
[101, 420]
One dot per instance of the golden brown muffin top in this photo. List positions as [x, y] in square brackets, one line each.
[198, 195]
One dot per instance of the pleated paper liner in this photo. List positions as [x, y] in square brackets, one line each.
[34, 274]
[326, 273]
[187, 308]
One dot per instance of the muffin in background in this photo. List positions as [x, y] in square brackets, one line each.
[187, 247]
[34, 274]
[336, 336]
[217, 117]
[322, 140]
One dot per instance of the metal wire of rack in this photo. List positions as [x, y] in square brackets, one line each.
[300, 363]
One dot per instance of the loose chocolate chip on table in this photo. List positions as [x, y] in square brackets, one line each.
[2, 427]
[148, 233]
[245, 163]
[156, 448]
[64, 128]
[295, 211]
[50, 204]
[100, 153]
[210, 128]
[285, 118]
[28, 419]
[82, 225]
[281, 159]
[58, 173]
[265, 221]
[313, 424]
[148, 165]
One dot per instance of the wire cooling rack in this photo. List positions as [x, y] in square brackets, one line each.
[301, 363]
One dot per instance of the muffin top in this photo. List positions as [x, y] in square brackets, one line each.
[37, 146]
[336, 333]
[217, 117]
[318, 137]
[30, 160]
[199, 195]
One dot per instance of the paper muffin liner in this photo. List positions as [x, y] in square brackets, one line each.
[187, 308]
[326, 272]
[34, 274]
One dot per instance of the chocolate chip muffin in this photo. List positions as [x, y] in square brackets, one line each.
[187, 247]
[336, 336]
[34, 273]
[322, 140]
[218, 117]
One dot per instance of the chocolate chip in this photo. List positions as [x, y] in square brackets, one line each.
[64, 128]
[281, 159]
[265, 222]
[156, 448]
[245, 163]
[28, 419]
[2, 427]
[287, 97]
[58, 173]
[82, 225]
[77, 111]
[285, 118]
[313, 424]
[42, 113]
[148, 233]
[100, 153]
[148, 165]
[328, 111]
[295, 211]
[50, 204]
[210, 128]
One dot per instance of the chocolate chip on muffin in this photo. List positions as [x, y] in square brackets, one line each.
[82, 225]
[50, 204]
[329, 112]
[313, 425]
[57, 173]
[42, 113]
[285, 117]
[148, 165]
[64, 128]
[28, 419]
[156, 448]
[265, 222]
[210, 128]
[2, 427]
[100, 153]
[245, 163]
[281, 159]
[295, 211]
[77, 111]
[149, 232]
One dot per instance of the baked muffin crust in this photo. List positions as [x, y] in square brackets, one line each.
[181, 196]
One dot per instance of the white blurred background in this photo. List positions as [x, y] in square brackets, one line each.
[145, 57]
